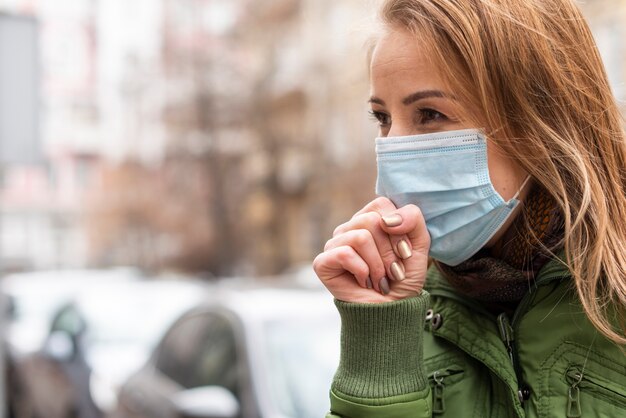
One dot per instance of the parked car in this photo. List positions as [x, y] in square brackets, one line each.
[34, 297]
[95, 341]
[253, 353]
[31, 300]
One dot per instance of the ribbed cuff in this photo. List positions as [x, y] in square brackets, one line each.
[381, 348]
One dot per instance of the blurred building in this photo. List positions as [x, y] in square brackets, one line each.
[41, 202]
[221, 136]
[263, 109]
[607, 19]
[197, 133]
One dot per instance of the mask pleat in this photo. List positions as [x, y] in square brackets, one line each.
[447, 250]
[446, 175]
[434, 204]
[441, 173]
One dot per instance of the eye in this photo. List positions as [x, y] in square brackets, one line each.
[426, 115]
[383, 119]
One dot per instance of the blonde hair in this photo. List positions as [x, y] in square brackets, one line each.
[532, 71]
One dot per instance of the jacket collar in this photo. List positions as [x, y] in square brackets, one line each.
[555, 269]
[437, 285]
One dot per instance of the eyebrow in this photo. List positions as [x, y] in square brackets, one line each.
[414, 97]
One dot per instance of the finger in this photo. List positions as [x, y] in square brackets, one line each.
[372, 222]
[381, 205]
[362, 241]
[387, 208]
[407, 221]
[337, 261]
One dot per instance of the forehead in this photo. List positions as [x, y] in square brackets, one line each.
[399, 61]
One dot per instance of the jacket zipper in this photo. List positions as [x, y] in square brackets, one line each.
[507, 334]
[578, 380]
[438, 378]
[508, 329]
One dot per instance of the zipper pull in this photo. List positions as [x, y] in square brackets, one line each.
[573, 398]
[439, 403]
[573, 404]
[506, 334]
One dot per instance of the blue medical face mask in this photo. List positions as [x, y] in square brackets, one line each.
[445, 174]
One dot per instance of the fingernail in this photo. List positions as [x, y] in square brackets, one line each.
[384, 286]
[397, 271]
[368, 283]
[392, 220]
[404, 249]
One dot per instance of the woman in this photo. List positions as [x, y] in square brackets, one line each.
[501, 158]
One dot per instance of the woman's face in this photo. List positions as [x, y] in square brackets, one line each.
[409, 97]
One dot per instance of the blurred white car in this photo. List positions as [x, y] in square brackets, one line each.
[34, 297]
[262, 353]
[97, 340]
[31, 299]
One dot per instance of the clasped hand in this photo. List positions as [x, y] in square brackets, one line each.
[379, 255]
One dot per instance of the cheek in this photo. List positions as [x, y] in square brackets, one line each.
[506, 175]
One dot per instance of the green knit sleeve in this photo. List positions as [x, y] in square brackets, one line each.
[380, 373]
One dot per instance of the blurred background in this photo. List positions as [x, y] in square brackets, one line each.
[172, 167]
[213, 137]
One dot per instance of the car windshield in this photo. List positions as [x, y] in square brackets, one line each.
[125, 323]
[36, 298]
[136, 315]
[303, 356]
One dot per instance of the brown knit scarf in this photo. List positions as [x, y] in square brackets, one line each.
[501, 282]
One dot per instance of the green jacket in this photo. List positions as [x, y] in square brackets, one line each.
[444, 355]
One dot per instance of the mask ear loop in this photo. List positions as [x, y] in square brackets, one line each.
[528, 177]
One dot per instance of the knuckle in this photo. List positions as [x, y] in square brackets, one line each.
[388, 255]
[415, 210]
[362, 273]
[371, 218]
[362, 237]
[338, 230]
[381, 202]
[344, 254]
[318, 262]
[366, 220]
